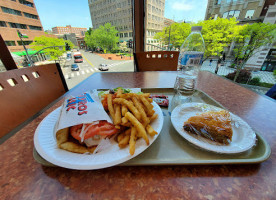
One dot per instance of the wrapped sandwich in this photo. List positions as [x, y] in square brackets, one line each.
[83, 124]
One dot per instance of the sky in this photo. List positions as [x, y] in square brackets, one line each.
[76, 13]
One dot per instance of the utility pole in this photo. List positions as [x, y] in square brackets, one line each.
[27, 55]
[169, 45]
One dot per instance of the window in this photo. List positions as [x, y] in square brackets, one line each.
[225, 15]
[216, 16]
[249, 14]
[3, 24]
[10, 43]
[121, 35]
[26, 3]
[30, 15]
[237, 14]
[19, 42]
[11, 11]
[16, 25]
[231, 13]
[217, 2]
[35, 28]
[125, 34]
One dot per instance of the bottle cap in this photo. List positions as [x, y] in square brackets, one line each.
[197, 28]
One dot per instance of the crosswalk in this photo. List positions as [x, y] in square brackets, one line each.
[81, 72]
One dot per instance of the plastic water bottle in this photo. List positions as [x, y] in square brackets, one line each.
[189, 62]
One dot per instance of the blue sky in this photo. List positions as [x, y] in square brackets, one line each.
[76, 13]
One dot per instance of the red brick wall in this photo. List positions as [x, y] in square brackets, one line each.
[10, 34]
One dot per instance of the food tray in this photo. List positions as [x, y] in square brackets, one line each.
[172, 149]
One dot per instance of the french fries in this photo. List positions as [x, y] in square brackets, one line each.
[132, 113]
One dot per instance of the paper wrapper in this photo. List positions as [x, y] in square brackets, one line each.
[83, 109]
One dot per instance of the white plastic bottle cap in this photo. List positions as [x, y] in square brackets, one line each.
[197, 28]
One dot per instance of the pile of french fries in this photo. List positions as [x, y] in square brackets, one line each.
[132, 113]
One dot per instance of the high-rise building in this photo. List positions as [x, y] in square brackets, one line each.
[119, 14]
[19, 15]
[245, 11]
[68, 30]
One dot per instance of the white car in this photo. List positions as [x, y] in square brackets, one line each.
[103, 67]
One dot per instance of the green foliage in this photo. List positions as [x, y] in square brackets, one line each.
[255, 81]
[217, 35]
[243, 76]
[123, 46]
[274, 73]
[252, 37]
[103, 37]
[268, 85]
[177, 32]
[43, 41]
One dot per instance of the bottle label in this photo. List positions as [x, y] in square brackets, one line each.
[192, 59]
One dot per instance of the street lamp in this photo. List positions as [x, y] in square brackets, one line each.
[27, 55]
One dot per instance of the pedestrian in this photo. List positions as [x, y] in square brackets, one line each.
[218, 65]
[121, 56]
[211, 60]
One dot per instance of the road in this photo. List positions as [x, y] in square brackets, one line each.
[90, 66]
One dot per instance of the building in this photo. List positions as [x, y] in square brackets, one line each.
[19, 15]
[69, 29]
[119, 14]
[168, 22]
[246, 12]
[154, 23]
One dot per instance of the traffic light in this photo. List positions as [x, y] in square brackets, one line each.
[67, 47]
[129, 44]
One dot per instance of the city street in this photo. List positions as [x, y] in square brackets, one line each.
[90, 65]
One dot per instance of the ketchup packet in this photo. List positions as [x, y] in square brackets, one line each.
[161, 100]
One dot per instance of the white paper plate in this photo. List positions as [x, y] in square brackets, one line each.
[46, 145]
[243, 136]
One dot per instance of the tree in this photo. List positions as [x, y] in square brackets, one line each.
[174, 34]
[250, 40]
[43, 41]
[217, 35]
[104, 37]
[123, 46]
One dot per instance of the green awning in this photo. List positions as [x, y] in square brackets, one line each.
[23, 53]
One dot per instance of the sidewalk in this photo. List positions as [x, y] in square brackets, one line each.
[114, 56]
[266, 77]
[224, 70]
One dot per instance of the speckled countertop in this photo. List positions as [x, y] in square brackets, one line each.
[21, 177]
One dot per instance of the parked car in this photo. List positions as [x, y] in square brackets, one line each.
[75, 67]
[103, 67]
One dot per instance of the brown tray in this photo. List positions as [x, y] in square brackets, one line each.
[172, 149]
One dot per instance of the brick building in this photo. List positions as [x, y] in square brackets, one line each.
[69, 29]
[19, 15]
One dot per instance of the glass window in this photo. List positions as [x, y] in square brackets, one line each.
[249, 14]
[231, 14]
[216, 16]
[19, 42]
[225, 15]
[26, 3]
[125, 34]
[30, 15]
[10, 43]
[35, 27]
[237, 14]
[3, 24]
[11, 11]
[16, 25]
